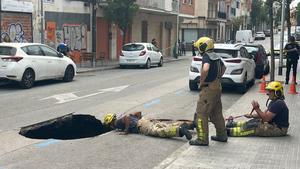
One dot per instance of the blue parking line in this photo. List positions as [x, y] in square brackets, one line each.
[179, 92]
[153, 102]
[47, 143]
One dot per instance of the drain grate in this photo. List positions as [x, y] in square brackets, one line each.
[66, 127]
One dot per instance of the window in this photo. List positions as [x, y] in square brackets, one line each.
[33, 50]
[225, 53]
[133, 47]
[5, 50]
[48, 51]
[149, 47]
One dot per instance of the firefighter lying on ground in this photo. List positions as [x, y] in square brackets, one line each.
[271, 123]
[135, 123]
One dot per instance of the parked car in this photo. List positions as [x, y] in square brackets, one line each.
[297, 33]
[244, 36]
[267, 32]
[141, 54]
[30, 62]
[260, 35]
[240, 67]
[260, 58]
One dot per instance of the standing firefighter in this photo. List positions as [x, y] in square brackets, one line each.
[270, 123]
[135, 123]
[209, 105]
[292, 49]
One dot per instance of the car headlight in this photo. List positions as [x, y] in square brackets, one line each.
[194, 69]
[237, 72]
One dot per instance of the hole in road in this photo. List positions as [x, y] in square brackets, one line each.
[65, 128]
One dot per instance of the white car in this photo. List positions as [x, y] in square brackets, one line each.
[30, 62]
[240, 67]
[260, 35]
[141, 54]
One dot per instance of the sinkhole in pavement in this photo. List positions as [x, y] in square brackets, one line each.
[66, 127]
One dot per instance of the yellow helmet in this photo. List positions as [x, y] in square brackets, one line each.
[109, 118]
[275, 86]
[204, 44]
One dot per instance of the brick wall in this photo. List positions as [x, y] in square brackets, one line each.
[187, 8]
[16, 27]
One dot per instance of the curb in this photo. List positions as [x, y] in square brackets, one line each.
[117, 66]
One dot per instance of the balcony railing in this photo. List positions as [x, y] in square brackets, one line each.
[222, 15]
[155, 4]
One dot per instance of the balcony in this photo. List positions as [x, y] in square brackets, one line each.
[152, 4]
[222, 15]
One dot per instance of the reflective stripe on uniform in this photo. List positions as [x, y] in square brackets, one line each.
[200, 132]
[238, 132]
[240, 123]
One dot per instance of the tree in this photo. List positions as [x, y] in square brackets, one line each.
[298, 14]
[255, 12]
[121, 12]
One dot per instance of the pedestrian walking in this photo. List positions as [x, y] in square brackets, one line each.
[193, 48]
[179, 48]
[183, 48]
[63, 48]
[135, 123]
[209, 104]
[292, 50]
[270, 123]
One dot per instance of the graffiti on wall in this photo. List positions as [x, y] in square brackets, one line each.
[14, 33]
[75, 36]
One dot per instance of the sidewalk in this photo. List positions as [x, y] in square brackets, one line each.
[246, 152]
[107, 65]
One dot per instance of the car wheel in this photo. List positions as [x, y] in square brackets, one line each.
[148, 64]
[193, 86]
[267, 70]
[122, 66]
[243, 88]
[252, 82]
[161, 62]
[27, 79]
[69, 74]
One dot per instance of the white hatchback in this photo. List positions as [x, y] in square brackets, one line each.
[240, 67]
[141, 54]
[30, 62]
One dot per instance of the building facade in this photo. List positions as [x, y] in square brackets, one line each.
[16, 21]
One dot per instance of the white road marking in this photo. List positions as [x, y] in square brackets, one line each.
[68, 97]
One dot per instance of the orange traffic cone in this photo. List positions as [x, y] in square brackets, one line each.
[263, 85]
[293, 87]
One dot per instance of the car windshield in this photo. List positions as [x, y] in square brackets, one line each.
[6, 50]
[251, 49]
[225, 53]
[133, 47]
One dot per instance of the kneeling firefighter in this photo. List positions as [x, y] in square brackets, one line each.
[209, 105]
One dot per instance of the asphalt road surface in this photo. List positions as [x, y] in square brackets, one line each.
[159, 92]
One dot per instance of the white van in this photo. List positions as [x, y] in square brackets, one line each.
[244, 36]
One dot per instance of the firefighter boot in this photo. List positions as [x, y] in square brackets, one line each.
[219, 138]
[197, 142]
[183, 131]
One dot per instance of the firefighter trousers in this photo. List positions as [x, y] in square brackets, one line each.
[255, 127]
[209, 106]
[158, 128]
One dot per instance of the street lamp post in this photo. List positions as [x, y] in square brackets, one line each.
[177, 27]
[281, 37]
[42, 21]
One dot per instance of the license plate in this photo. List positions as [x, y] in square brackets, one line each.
[130, 60]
